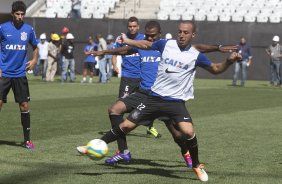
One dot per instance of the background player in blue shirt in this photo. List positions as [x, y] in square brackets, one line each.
[15, 37]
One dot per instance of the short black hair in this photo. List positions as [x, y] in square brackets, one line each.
[133, 19]
[18, 6]
[189, 22]
[153, 24]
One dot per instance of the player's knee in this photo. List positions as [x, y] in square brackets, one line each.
[24, 107]
[127, 126]
[117, 108]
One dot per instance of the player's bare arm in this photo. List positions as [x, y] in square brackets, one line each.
[118, 51]
[31, 64]
[204, 48]
[217, 68]
[114, 63]
[142, 44]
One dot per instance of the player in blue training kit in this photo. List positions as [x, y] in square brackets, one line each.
[173, 86]
[149, 66]
[130, 78]
[15, 37]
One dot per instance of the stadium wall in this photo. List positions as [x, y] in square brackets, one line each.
[259, 36]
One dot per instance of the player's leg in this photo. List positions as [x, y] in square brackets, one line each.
[116, 112]
[21, 93]
[236, 73]
[180, 140]
[5, 86]
[119, 131]
[179, 113]
[192, 144]
[91, 72]
[244, 73]
[84, 72]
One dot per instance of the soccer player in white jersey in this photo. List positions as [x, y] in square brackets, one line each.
[15, 36]
[173, 86]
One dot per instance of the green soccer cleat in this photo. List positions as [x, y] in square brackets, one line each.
[153, 131]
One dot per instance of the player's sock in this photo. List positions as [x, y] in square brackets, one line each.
[181, 142]
[121, 141]
[25, 119]
[113, 135]
[192, 145]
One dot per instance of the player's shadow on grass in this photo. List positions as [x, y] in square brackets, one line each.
[157, 169]
[10, 143]
[131, 134]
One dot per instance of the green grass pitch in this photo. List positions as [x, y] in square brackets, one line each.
[239, 133]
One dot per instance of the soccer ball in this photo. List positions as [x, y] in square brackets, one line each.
[97, 149]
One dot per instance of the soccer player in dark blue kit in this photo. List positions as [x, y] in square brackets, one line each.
[15, 36]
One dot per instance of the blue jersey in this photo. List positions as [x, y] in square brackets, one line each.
[149, 67]
[130, 63]
[14, 46]
[88, 48]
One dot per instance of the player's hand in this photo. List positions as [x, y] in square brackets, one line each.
[234, 56]
[115, 68]
[122, 38]
[228, 48]
[98, 53]
[30, 64]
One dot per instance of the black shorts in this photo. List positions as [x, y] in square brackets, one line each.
[89, 65]
[19, 86]
[154, 107]
[133, 100]
[128, 86]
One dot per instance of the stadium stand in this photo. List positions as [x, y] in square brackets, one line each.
[222, 10]
[200, 10]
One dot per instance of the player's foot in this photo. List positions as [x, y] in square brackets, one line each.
[28, 145]
[153, 131]
[118, 157]
[188, 159]
[201, 173]
[82, 150]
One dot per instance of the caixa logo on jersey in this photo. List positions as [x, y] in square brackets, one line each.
[15, 47]
[23, 36]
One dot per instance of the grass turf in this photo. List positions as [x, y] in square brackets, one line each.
[239, 132]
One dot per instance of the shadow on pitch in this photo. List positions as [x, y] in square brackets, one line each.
[131, 134]
[9, 143]
[157, 169]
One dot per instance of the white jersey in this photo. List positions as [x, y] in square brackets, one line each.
[176, 71]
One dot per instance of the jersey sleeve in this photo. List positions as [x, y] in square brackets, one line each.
[1, 32]
[159, 45]
[32, 38]
[202, 61]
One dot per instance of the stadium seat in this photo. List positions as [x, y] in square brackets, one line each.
[262, 18]
[237, 17]
[225, 17]
[200, 17]
[212, 17]
[162, 15]
[187, 16]
[275, 18]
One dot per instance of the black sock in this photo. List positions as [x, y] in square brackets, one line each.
[121, 141]
[113, 135]
[192, 145]
[25, 119]
[181, 142]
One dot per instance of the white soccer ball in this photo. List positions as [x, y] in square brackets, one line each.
[97, 149]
